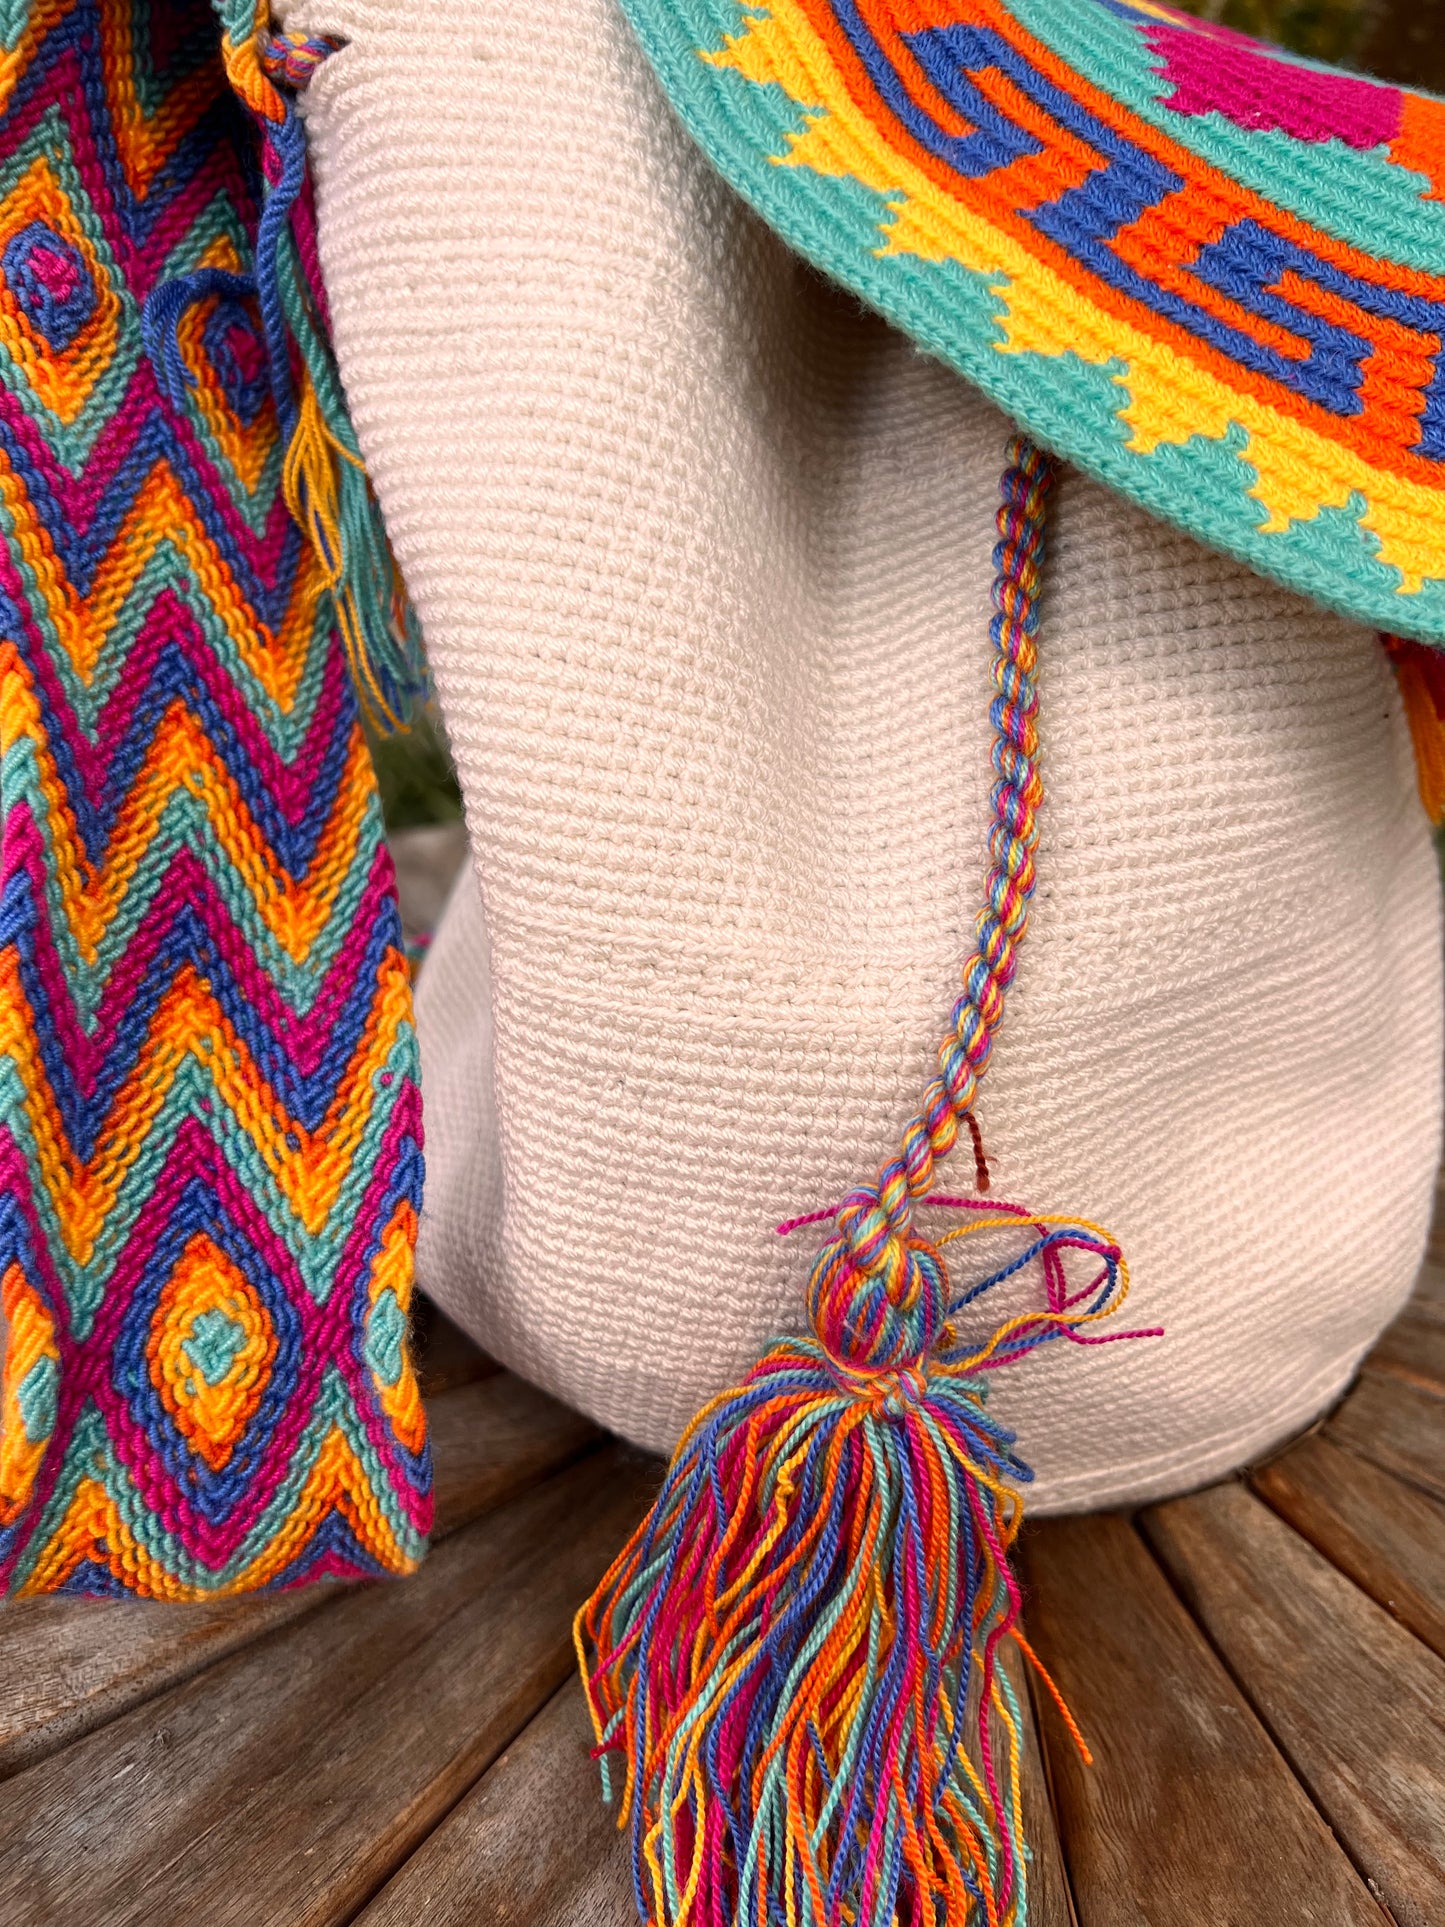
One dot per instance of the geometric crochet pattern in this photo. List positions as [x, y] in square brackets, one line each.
[1210, 273]
[210, 1130]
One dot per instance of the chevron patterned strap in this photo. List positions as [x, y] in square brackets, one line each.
[210, 1136]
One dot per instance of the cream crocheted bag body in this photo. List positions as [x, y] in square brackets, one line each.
[702, 556]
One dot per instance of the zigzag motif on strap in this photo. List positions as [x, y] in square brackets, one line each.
[1203, 270]
[210, 1130]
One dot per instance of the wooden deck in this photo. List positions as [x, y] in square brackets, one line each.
[1260, 1669]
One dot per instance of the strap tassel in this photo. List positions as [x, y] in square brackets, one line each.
[796, 1657]
[324, 478]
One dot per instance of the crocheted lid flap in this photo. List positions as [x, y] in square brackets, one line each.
[1208, 272]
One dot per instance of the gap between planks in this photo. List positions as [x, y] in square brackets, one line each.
[532, 1845]
[1352, 1699]
[1395, 1425]
[1366, 1487]
[1189, 1813]
[72, 1664]
[1388, 1537]
[1375, 1420]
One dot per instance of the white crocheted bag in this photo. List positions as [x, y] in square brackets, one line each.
[702, 555]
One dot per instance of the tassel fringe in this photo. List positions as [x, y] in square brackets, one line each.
[795, 1660]
[797, 1654]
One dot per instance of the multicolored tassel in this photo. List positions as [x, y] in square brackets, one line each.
[796, 1657]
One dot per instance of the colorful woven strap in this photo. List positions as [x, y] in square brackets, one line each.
[797, 1657]
[876, 1295]
[210, 1142]
[1211, 274]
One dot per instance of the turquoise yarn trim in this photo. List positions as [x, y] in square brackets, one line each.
[749, 127]
[1358, 195]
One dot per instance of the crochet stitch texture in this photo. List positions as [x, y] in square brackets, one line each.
[210, 1142]
[1204, 270]
[720, 720]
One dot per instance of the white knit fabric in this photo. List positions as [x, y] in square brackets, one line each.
[702, 556]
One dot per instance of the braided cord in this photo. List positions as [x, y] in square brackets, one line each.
[291, 59]
[878, 1291]
[797, 1656]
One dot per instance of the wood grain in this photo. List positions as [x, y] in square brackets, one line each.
[286, 1784]
[531, 1846]
[1395, 1425]
[1428, 1298]
[501, 1856]
[1188, 1814]
[71, 1664]
[493, 1439]
[1435, 1241]
[1355, 1702]
[1388, 1537]
[1413, 1348]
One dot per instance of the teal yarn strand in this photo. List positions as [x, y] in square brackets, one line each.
[326, 485]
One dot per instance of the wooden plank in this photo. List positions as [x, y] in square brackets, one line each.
[287, 1784]
[445, 1356]
[493, 1439]
[1386, 1536]
[1188, 1815]
[71, 1664]
[532, 1844]
[1413, 1348]
[1355, 1702]
[1435, 1244]
[1395, 1425]
[1428, 1299]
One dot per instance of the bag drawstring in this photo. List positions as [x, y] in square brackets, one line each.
[796, 1657]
